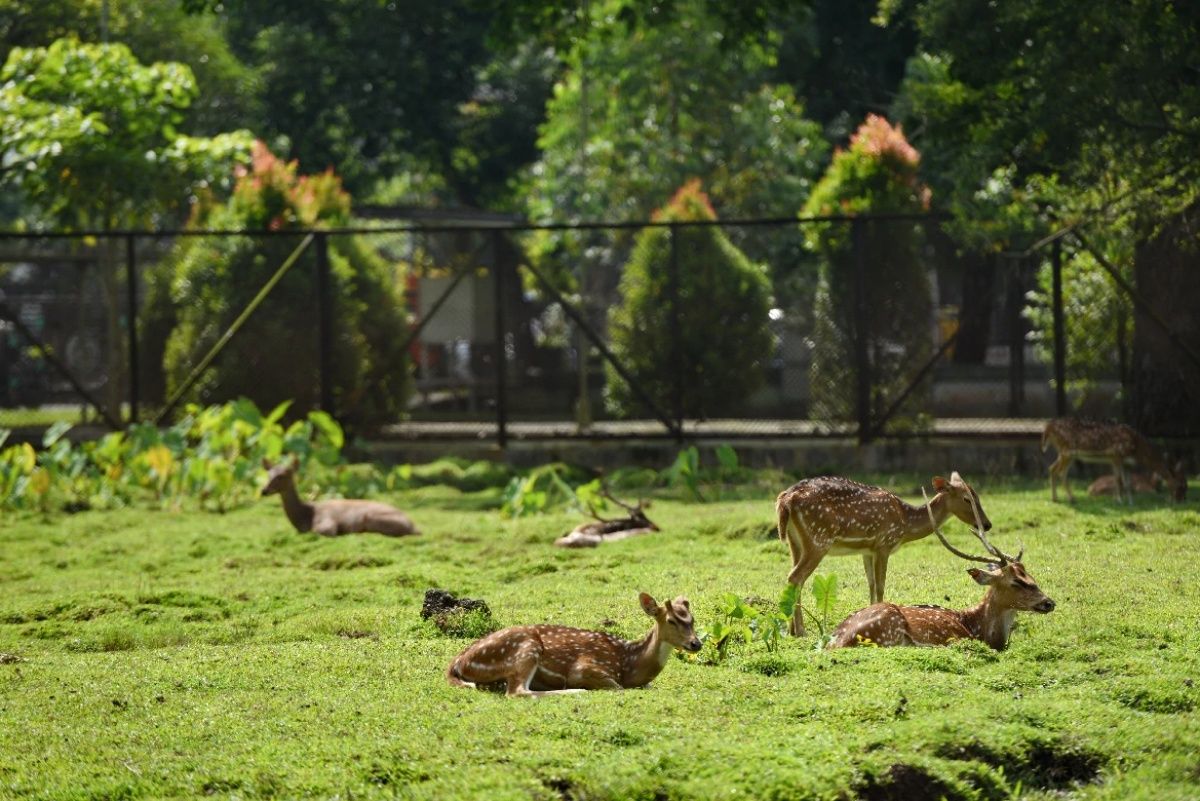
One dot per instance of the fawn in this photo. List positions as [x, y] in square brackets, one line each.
[546, 660]
[1010, 590]
[1114, 443]
[333, 517]
[839, 517]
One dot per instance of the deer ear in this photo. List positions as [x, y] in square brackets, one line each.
[649, 605]
[983, 577]
[939, 483]
[956, 479]
[266, 463]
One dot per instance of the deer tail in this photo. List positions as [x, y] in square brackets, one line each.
[784, 516]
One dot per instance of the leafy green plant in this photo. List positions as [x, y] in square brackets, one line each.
[824, 590]
[740, 621]
[212, 457]
[542, 490]
[686, 471]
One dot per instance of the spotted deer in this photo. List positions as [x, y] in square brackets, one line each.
[1010, 590]
[333, 517]
[547, 660]
[839, 517]
[1114, 443]
[1139, 483]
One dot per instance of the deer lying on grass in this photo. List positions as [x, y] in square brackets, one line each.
[1115, 443]
[1010, 590]
[839, 517]
[589, 535]
[333, 517]
[547, 660]
[1136, 482]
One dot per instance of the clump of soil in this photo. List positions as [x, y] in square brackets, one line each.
[9, 659]
[457, 617]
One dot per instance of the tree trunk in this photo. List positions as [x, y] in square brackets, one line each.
[975, 313]
[1166, 383]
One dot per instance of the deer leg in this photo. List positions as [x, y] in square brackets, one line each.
[869, 569]
[879, 564]
[800, 573]
[1061, 466]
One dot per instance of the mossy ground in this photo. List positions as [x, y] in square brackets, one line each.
[190, 654]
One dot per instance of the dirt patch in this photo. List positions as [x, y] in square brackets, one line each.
[457, 617]
[1047, 765]
[10, 659]
[902, 782]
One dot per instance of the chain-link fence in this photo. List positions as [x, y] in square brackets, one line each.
[868, 327]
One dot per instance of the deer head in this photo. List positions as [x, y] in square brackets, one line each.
[961, 500]
[673, 621]
[1013, 588]
[278, 475]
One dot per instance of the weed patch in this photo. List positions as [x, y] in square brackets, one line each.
[350, 562]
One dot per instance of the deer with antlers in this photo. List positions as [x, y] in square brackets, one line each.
[333, 517]
[1010, 590]
[1114, 443]
[548, 660]
[600, 529]
[832, 516]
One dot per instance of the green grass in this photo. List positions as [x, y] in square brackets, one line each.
[226, 656]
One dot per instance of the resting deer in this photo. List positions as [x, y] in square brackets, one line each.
[589, 535]
[1138, 483]
[546, 660]
[1115, 443]
[333, 517]
[839, 517]
[1010, 590]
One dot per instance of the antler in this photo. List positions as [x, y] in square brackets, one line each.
[607, 494]
[949, 547]
[1001, 555]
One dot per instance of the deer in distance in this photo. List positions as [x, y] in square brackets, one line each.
[1114, 443]
[600, 529]
[1139, 483]
[333, 517]
[832, 516]
[535, 661]
[1010, 590]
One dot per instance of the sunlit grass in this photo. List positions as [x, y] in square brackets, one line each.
[181, 655]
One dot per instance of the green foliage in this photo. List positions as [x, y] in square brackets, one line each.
[720, 315]
[824, 590]
[1098, 317]
[545, 489]
[210, 458]
[665, 104]
[93, 137]
[877, 174]
[275, 356]
[743, 623]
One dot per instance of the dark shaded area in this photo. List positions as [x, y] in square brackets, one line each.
[1046, 765]
[905, 783]
[439, 603]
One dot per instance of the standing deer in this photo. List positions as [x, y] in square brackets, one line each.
[333, 517]
[547, 660]
[1115, 443]
[1010, 590]
[839, 517]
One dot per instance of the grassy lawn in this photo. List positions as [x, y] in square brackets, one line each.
[189, 654]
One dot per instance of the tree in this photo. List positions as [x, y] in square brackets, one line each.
[275, 358]
[703, 346]
[1055, 116]
[93, 138]
[876, 174]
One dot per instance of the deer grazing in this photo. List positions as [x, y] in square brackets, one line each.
[1010, 590]
[1138, 483]
[333, 517]
[547, 660]
[1114, 443]
[839, 517]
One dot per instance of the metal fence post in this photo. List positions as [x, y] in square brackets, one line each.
[131, 317]
[324, 323]
[862, 362]
[1016, 338]
[676, 334]
[501, 350]
[1060, 333]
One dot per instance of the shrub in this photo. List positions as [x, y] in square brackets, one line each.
[722, 312]
[275, 356]
[878, 173]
